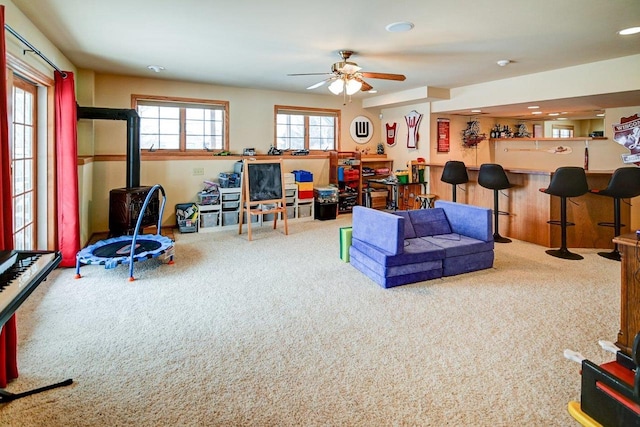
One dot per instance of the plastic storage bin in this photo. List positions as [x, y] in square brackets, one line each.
[229, 180]
[326, 194]
[208, 198]
[208, 219]
[187, 217]
[325, 211]
[303, 176]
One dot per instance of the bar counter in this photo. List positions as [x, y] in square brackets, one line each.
[529, 209]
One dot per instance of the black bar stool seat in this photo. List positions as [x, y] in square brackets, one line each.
[567, 181]
[493, 177]
[624, 184]
[454, 173]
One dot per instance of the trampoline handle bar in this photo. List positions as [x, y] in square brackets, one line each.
[139, 221]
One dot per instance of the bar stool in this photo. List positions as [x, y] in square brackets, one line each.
[624, 184]
[454, 173]
[493, 177]
[426, 200]
[567, 181]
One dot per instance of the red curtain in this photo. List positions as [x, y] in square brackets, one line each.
[67, 168]
[8, 337]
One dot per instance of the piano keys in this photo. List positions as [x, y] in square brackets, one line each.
[22, 272]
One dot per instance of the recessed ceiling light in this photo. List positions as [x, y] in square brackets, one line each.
[537, 112]
[476, 111]
[532, 107]
[600, 115]
[400, 27]
[503, 62]
[554, 114]
[372, 91]
[156, 68]
[629, 31]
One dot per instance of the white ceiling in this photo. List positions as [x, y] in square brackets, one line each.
[255, 44]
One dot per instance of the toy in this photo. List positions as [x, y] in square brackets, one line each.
[610, 394]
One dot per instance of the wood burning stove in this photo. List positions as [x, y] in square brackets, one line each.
[125, 203]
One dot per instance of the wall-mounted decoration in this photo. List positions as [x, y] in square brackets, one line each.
[627, 133]
[413, 120]
[361, 129]
[471, 136]
[443, 135]
[391, 134]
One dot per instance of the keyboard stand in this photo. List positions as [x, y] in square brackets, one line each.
[6, 396]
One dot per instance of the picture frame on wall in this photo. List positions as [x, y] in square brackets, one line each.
[443, 135]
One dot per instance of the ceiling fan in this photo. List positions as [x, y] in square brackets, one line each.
[345, 76]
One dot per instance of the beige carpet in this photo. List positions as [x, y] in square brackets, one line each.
[280, 332]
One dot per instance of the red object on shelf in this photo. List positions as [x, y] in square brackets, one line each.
[305, 194]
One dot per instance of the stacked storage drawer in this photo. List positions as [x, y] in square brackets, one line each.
[304, 181]
[230, 207]
[291, 191]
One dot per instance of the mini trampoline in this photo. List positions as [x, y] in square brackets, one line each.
[129, 249]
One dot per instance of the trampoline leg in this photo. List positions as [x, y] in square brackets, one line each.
[78, 269]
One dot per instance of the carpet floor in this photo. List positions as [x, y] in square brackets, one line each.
[280, 332]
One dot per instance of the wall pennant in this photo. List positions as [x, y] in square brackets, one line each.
[627, 133]
[391, 133]
[413, 120]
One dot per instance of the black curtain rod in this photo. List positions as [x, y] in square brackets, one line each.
[34, 50]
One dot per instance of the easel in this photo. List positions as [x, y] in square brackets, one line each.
[262, 184]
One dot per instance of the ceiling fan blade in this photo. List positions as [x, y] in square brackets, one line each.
[319, 83]
[365, 86]
[310, 74]
[386, 76]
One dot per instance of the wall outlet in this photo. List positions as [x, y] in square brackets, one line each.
[198, 171]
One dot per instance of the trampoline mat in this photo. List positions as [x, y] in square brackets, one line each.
[123, 248]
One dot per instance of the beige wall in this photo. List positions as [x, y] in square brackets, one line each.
[251, 124]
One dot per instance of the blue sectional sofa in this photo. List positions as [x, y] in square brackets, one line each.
[404, 247]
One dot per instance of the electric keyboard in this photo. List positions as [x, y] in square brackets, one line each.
[22, 272]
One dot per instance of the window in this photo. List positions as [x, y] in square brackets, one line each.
[300, 128]
[558, 131]
[183, 125]
[23, 164]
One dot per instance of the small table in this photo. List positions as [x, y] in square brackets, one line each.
[394, 188]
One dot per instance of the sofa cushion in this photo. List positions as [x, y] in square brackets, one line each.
[456, 244]
[380, 229]
[429, 222]
[415, 250]
[467, 263]
[411, 274]
[409, 232]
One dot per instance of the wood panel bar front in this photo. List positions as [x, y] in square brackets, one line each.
[529, 209]
[628, 245]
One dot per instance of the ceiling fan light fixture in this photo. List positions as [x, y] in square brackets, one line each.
[336, 87]
[400, 27]
[353, 86]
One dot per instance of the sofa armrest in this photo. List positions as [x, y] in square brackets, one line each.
[468, 220]
[379, 229]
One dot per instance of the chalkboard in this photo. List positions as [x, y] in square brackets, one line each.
[262, 186]
[265, 181]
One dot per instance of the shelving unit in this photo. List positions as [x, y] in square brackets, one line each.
[226, 214]
[378, 164]
[346, 173]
